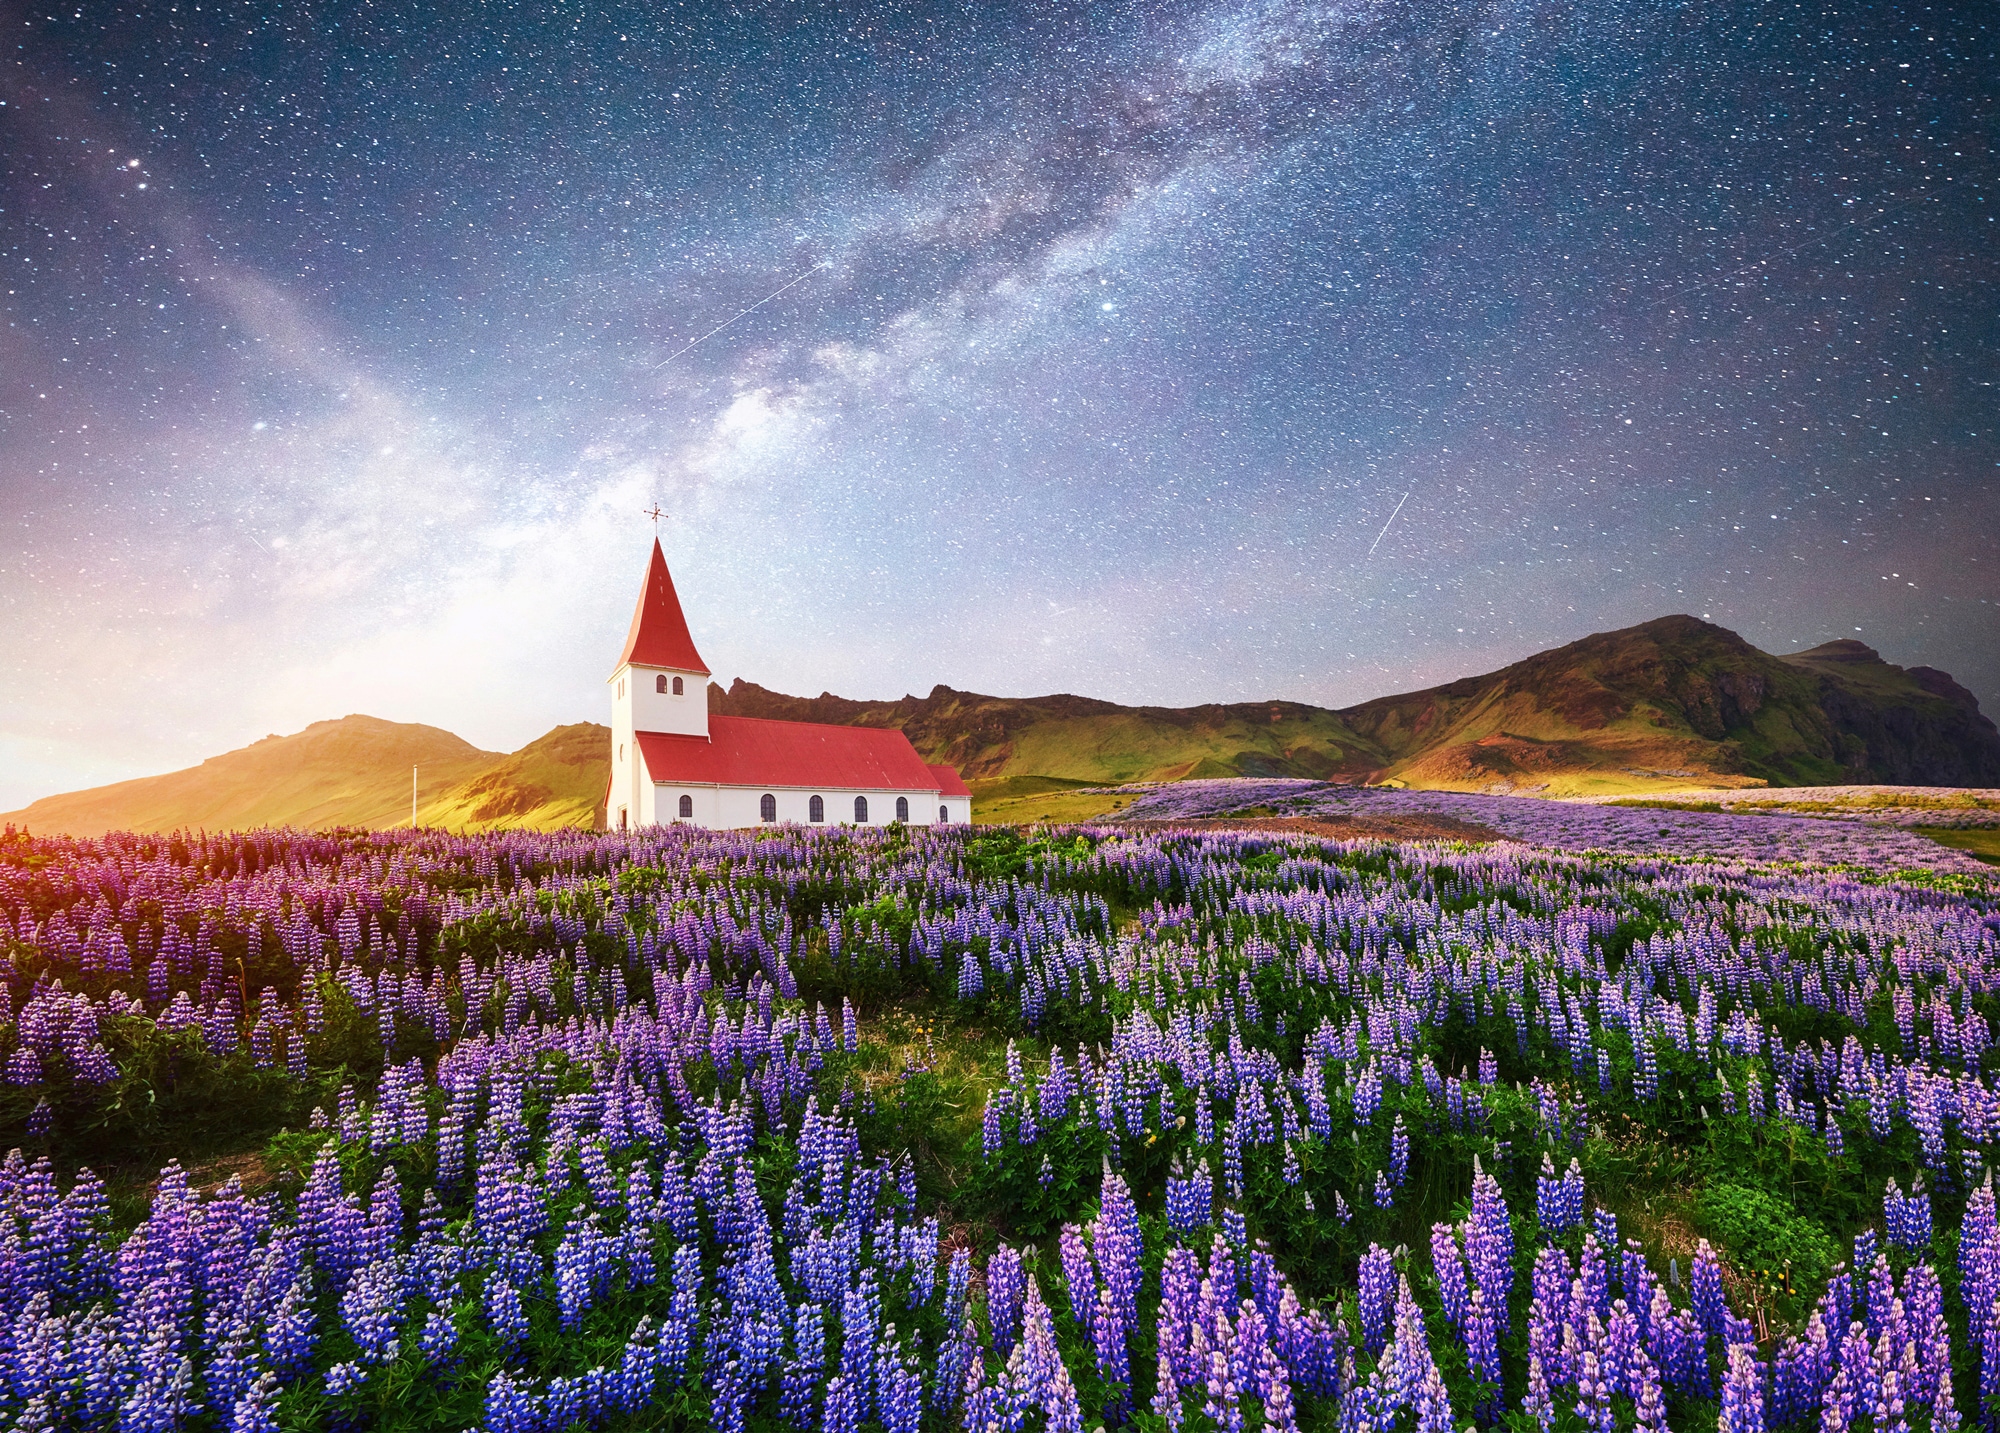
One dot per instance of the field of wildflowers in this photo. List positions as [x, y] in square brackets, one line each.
[1853, 838]
[1003, 1129]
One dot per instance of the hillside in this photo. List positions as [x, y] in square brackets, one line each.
[350, 772]
[555, 781]
[1914, 727]
[1677, 700]
[1078, 739]
[1670, 704]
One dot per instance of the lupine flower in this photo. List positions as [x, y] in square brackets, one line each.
[1377, 1288]
[1742, 1393]
[1005, 1289]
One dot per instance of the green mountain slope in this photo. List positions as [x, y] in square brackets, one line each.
[350, 772]
[1907, 727]
[1672, 702]
[1678, 700]
[554, 781]
[1077, 739]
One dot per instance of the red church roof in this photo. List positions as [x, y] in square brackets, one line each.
[659, 635]
[750, 751]
[948, 782]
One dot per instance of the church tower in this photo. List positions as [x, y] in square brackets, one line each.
[659, 685]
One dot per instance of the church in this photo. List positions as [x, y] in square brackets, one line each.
[672, 763]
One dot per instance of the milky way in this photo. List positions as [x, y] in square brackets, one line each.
[344, 349]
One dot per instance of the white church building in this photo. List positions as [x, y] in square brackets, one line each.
[672, 762]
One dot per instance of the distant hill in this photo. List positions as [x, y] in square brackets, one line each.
[1079, 739]
[1670, 704]
[1679, 699]
[554, 781]
[350, 772]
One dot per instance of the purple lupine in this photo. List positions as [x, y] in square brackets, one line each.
[1448, 1265]
[1377, 1288]
[1593, 1394]
[1551, 1206]
[1705, 1292]
[1005, 1289]
[1190, 1197]
[1079, 1277]
[901, 1390]
[1489, 1243]
[1907, 1218]
[1115, 1240]
[860, 1314]
[678, 1333]
[1743, 1391]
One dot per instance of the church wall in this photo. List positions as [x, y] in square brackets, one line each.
[727, 807]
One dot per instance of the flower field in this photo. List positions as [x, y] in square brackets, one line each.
[1002, 1129]
[1859, 837]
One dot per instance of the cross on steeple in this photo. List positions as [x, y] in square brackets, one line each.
[655, 514]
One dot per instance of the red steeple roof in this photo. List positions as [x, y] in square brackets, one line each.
[659, 635]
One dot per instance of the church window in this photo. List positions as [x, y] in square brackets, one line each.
[621, 752]
[621, 818]
[767, 807]
[687, 806]
[660, 684]
[621, 689]
[944, 813]
[816, 809]
[679, 690]
[861, 810]
[903, 808]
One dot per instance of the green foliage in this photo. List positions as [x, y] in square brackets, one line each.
[1765, 1238]
[173, 1099]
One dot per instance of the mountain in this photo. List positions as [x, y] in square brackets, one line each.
[1678, 699]
[1081, 740]
[1909, 728]
[554, 781]
[350, 772]
[1672, 703]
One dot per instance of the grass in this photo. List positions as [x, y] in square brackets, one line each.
[1982, 842]
[1050, 806]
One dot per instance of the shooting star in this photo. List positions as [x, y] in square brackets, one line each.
[822, 264]
[1385, 528]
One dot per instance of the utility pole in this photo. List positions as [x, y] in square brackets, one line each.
[413, 798]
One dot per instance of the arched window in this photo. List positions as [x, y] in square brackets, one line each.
[816, 809]
[767, 807]
[679, 691]
[903, 808]
[944, 813]
[621, 689]
[660, 684]
[861, 810]
[621, 751]
[687, 806]
[621, 818]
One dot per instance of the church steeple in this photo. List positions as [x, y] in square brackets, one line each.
[659, 687]
[659, 635]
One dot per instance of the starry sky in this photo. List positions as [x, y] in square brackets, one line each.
[1162, 352]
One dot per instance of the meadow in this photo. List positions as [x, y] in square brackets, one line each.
[1000, 1128]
